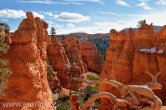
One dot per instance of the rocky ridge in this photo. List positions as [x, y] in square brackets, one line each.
[132, 54]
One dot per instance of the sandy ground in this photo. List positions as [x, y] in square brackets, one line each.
[163, 108]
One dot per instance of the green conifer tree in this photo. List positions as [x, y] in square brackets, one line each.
[53, 32]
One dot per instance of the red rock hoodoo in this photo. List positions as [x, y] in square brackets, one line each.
[91, 57]
[28, 83]
[73, 52]
[74, 102]
[131, 54]
[58, 55]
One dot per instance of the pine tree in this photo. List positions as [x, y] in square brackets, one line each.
[53, 32]
[5, 27]
[4, 71]
[140, 23]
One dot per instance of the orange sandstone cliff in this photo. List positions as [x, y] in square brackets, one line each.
[73, 52]
[131, 54]
[91, 57]
[27, 82]
[58, 55]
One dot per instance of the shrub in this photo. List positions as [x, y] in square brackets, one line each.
[92, 78]
[63, 106]
[64, 98]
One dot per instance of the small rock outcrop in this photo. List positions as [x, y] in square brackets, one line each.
[74, 102]
[28, 83]
[132, 54]
[91, 57]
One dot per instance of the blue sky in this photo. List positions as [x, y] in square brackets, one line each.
[91, 16]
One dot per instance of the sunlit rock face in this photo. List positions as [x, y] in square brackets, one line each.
[73, 52]
[131, 54]
[27, 62]
[59, 56]
[91, 57]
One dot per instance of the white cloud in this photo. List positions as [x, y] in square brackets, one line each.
[56, 26]
[38, 1]
[97, 1]
[70, 25]
[143, 4]
[104, 27]
[50, 23]
[71, 17]
[9, 13]
[156, 17]
[122, 2]
[87, 29]
[48, 13]
[36, 14]
[98, 27]
[107, 13]
[118, 25]
[49, 2]
[81, 1]
[161, 2]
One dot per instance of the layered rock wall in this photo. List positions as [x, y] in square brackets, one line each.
[73, 52]
[91, 57]
[131, 54]
[27, 61]
[59, 55]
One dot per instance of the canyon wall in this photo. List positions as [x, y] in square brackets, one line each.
[71, 59]
[27, 83]
[65, 59]
[73, 52]
[131, 54]
[91, 57]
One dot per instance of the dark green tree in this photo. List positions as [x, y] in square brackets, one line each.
[5, 26]
[4, 71]
[53, 32]
[141, 23]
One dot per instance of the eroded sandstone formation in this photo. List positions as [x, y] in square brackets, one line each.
[131, 54]
[91, 57]
[74, 102]
[132, 97]
[73, 52]
[28, 83]
[58, 55]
